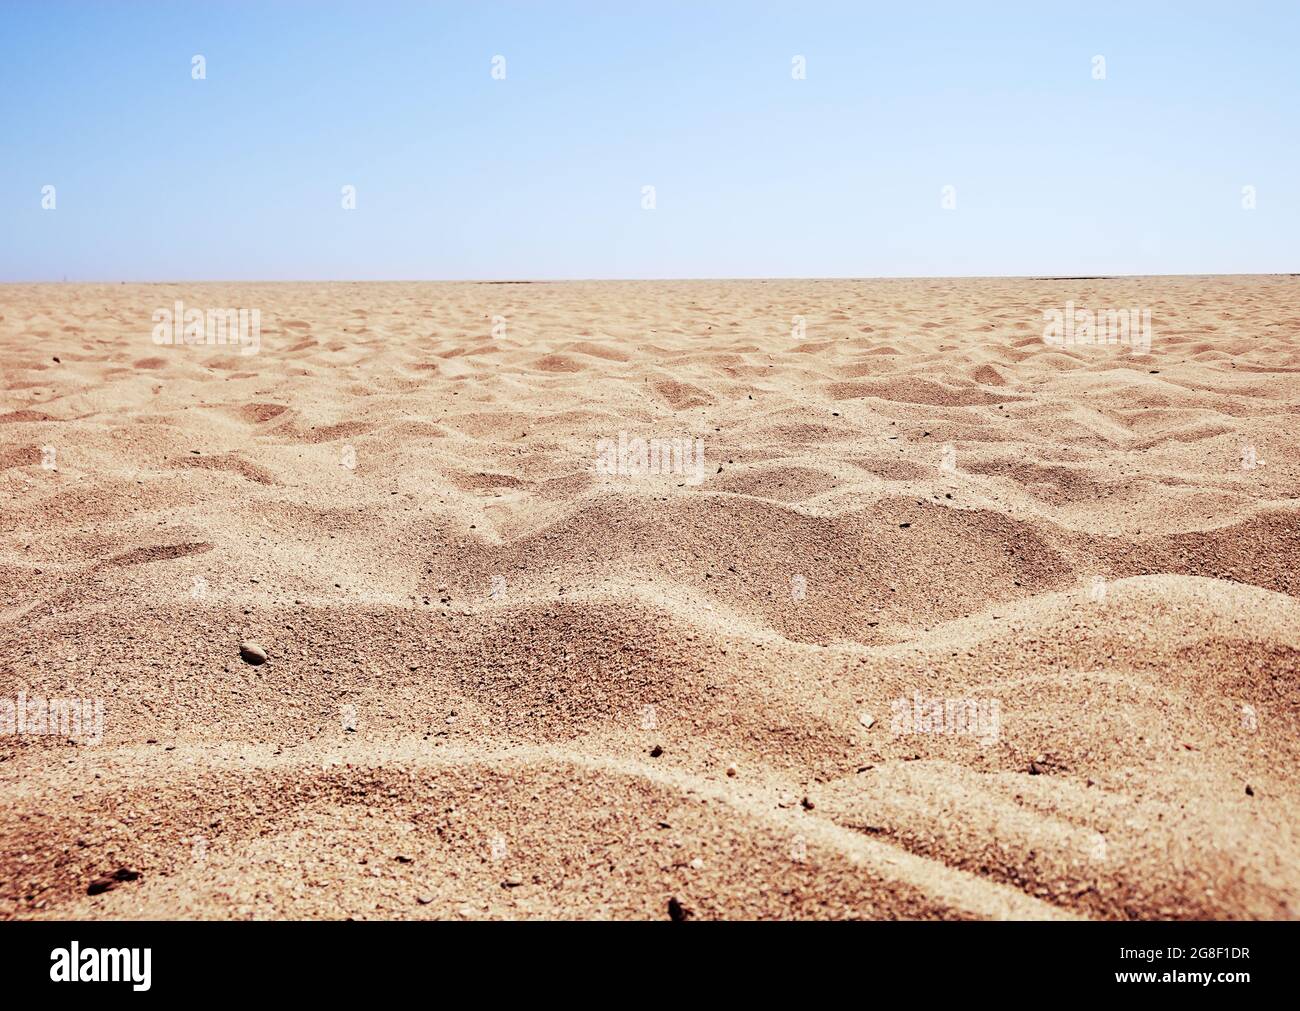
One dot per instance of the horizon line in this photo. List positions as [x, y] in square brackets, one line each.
[654, 280]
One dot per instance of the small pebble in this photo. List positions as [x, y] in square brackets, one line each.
[109, 881]
[252, 653]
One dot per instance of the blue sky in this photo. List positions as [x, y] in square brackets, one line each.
[238, 176]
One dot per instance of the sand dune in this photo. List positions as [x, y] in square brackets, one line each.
[506, 682]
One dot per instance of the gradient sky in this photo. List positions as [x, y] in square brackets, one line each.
[162, 177]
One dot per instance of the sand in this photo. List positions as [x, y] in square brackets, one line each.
[503, 682]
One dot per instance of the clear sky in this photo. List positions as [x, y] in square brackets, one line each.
[239, 175]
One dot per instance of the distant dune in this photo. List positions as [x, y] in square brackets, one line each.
[734, 599]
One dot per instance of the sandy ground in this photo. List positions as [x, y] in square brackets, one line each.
[503, 682]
